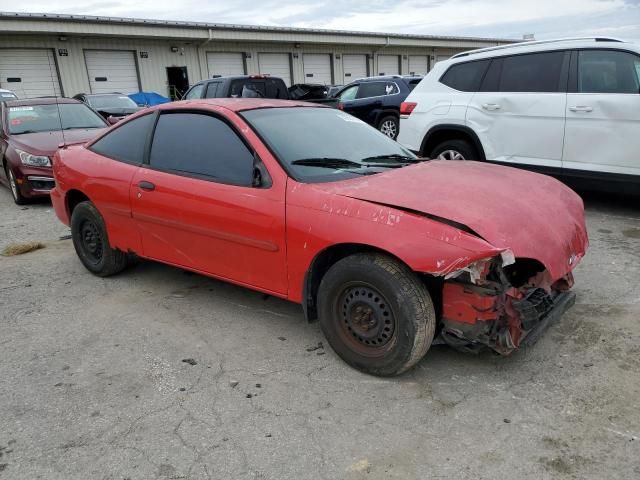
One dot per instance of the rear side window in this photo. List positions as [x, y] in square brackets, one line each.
[127, 142]
[608, 71]
[212, 90]
[372, 89]
[465, 77]
[533, 72]
[208, 148]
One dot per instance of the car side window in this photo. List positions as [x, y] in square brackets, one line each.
[372, 89]
[212, 90]
[465, 77]
[608, 71]
[349, 93]
[195, 92]
[126, 142]
[533, 72]
[208, 148]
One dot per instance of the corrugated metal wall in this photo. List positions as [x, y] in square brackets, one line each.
[154, 56]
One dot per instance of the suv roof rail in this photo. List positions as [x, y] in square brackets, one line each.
[373, 77]
[537, 42]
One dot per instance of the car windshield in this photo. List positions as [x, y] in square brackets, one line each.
[45, 118]
[111, 101]
[323, 144]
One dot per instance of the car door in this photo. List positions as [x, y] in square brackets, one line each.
[195, 205]
[519, 112]
[346, 97]
[603, 113]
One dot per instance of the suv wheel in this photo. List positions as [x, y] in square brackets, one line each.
[454, 150]
[376, 314]
[389, 125]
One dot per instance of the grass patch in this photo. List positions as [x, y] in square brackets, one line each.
[20, 248]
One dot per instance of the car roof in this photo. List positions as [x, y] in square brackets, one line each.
[236, 104]
[388, 77]
[102, 94]
[25, 102]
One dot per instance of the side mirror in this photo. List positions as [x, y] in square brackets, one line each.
[261, 177]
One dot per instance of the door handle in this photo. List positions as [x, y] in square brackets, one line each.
[148, 186]
[581, 108]
[491, 106]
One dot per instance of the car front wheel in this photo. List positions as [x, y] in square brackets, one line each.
[91, 242]
[454, 150]
[13, 186]
[390, 126]
[376, 314]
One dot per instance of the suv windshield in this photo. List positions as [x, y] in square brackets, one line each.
[45, 118]
[111, 101]
[323, 144]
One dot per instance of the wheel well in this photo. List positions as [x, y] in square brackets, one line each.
[441, 134]
[328, 257]
[74, 197]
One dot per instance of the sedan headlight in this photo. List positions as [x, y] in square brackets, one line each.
[33, 160]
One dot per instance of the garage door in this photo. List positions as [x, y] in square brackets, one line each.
[317, 68]
[354, 67]
[112, 71]
[225, 64]
[29, 72]
[418, 64]
[441, 58]
[388, 65]
[276, 65]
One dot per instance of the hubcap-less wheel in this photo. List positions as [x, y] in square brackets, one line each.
[13, 184]
[450, 155]
[389, 128]
[367, 323]
[91, 241]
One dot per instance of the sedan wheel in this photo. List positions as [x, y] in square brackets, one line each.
[15, 190]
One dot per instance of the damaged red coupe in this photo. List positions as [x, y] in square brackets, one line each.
[312, 205]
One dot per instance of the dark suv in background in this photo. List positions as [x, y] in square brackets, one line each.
[376, 100]
[243, 86]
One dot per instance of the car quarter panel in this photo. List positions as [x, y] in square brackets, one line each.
[317, 220]
[106, 182]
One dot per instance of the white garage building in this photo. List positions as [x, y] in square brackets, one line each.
[49, 54]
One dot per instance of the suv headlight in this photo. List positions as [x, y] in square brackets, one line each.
[33, 160]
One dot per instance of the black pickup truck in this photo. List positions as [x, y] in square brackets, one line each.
[242, 86]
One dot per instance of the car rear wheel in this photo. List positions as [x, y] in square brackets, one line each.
[376, 314]
[454, 150]
[390, 126]
[15, 189]
[91, 242]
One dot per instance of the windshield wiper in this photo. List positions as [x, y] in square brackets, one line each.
[26, 131]
[392, 156]
[327, 162]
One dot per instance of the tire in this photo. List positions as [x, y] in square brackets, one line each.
[91, 242]
[14, 188]
[376, 314]
[454, 150]
[389, 126]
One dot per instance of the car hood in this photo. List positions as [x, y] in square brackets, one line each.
[532, 215]
[46, 143]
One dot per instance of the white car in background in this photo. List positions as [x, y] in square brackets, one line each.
[569, 108]
[6, 95]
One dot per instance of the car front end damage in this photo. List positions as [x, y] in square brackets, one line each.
[502, 303]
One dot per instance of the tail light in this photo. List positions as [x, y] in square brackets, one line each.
[406, 108]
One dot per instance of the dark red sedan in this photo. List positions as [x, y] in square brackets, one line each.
[312, 205]
[30, 132]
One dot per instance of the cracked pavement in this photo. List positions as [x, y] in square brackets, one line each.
[94, 382]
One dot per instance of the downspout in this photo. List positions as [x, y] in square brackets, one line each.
[202, 76]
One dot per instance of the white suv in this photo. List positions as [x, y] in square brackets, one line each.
[569, 108]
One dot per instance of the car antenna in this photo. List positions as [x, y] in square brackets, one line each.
[55, 93]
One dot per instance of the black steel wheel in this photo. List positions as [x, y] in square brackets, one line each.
[376, 313]
[91, 242]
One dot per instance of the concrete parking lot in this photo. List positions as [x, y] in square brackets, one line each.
[159, 373]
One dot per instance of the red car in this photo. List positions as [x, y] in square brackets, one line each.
[30, 132]
[312, 205]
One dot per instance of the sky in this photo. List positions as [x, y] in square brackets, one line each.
[474, 18]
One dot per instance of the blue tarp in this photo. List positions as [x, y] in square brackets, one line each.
[148, 99]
